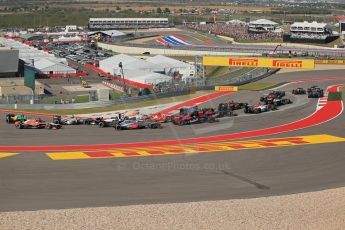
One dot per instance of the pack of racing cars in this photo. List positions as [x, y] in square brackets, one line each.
[184, 116]
[312, 92]
[268, 102]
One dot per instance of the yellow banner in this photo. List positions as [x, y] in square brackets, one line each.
[199, 147]
[259, 62]
[226, 88]
[337, 62]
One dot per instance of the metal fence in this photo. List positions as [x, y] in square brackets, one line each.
[307, 51]
[172, 91]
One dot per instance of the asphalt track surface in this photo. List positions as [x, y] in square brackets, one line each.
[32, 181]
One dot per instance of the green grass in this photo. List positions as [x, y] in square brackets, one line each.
[335, 96]
[144, 103]
[82, 99]
[257, 86]
[224, 72]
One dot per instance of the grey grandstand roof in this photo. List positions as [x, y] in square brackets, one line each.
[263, 22]
[112, 33]
[167, 62]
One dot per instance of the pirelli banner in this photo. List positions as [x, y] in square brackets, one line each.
[226, 88]
[330, 62]
[259, 62]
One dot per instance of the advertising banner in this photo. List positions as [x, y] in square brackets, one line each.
[337, 62]
[259, 62]
[226, 88]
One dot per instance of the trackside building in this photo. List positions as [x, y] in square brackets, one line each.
[127, 23]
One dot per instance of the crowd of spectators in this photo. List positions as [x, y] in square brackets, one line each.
[235, 31]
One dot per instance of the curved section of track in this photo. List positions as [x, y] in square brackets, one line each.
[330, 111]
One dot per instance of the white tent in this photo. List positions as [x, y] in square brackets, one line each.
[263, 22]
[236, 22]
[171, 66]
[112, 33]
[48, 66]
[111, 65]
[29, 54]
[145, 77]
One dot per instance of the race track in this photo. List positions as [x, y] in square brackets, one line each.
[31, 180]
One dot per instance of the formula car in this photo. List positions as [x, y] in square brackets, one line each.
[110, 122]
[225, 110]
[12, 118]
[269, 97]
[315, 92]
[236, 105]
[70, 120]
[278, 93]
[158, 117]
[36, 124]
[282, 101]
[257, 108]
[134, 124]
[196, 117]
[299, 91]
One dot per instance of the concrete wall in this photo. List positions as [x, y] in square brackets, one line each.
[167, 52]
[15, 86]
[9, 60]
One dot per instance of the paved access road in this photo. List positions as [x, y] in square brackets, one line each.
[32, 180]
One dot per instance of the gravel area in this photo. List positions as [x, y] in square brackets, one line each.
[316, 210]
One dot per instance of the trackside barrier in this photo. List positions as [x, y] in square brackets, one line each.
[254, 76]
[52, 75]
[118, 78]
[226, 88]
[337, 62]
[113, 86]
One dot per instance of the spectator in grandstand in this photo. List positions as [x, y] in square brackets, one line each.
[236, 31]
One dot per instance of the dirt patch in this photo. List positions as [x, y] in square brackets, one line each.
[317, 210]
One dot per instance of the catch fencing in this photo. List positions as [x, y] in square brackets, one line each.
[171, 90]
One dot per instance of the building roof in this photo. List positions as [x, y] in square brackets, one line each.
[309, 24]
[167, 62]
[129, 63]
[236, 21]
[27, 53]
[112, 33]
[116, 59]
[146, 77]
[46, 65]
[263, 22]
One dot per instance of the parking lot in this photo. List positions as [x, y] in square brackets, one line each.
[80, 53]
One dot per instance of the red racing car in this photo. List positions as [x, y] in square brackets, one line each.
[36, 124]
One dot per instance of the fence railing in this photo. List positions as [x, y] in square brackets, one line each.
[173, 91]
[259, 49]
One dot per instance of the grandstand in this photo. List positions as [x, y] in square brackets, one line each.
[310, 32]
[263, 26]
[127, 23]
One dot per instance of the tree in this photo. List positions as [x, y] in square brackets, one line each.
[166, 10]
[159, 10]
